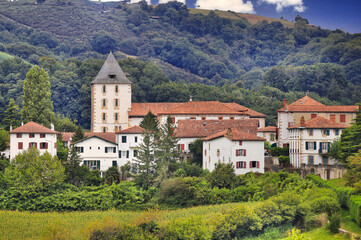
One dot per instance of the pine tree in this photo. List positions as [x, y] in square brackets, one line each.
[150, 122]
[75, 174]
[37, 104]
[12, 115]
[79, 134]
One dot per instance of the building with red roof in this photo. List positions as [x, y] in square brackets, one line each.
[269, 133]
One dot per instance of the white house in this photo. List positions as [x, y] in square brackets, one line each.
[269, 133]
[128, 141]
[244, 150]
[98, 153]
[30, 135]
[310, 141]
[309, 108]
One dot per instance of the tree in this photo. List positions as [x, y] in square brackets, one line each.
[150, 122]
[61, 151]
[12, 115]
[222, 176]
[78, 135]
[196, 148]
[112, 175]
[29, 168]
[4, 140]
[125, 169]
[353, 174]
[75, 174]
[103, 43]
[37, 104]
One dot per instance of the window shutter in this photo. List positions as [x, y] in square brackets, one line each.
[250, 164]
[328, 146]
[328, 132]
[29, 145]
[106, 150]
[240, 143]
[320, 146]
[257, 164]
[182, 147]
[237, 164]
[128, 154]
[114, 149]
[244, 152]
[244, 165]
[20, 145]
[236, 152]
[314, 146]
[120, 153]
[306, 145]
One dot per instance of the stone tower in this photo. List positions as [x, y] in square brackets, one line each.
[110, 98]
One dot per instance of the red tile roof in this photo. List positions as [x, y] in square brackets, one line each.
[110, 136]
[319, 122]
[203, 128]
[201, 108]
[248, 111]
[65, 136]
[132, 130]
[234, 135]
[141, 109]
[32, 127]
[307, 104]
[267, 129]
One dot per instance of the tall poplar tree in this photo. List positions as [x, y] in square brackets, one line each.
[12, 115]
[37, 104]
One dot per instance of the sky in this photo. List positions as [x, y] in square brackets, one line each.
[329, 14]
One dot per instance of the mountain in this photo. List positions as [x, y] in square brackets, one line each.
[253, 60]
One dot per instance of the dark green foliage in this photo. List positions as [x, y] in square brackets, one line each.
[126, 231]
[222, 176]
[112, 175]
[76, 174]
[92, 178]
[150, 122]
[284, 159]
[61, 151]
[196, 149]
[103, 43]
[278, 151]
[12, 115]
[335, 223]
[355, 208]
[4, 140]
[78, 135]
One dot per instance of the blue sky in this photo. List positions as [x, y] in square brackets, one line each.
[330, 14]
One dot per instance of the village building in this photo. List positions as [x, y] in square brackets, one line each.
[310, 143]
[309, 108]
[34, 135]
[244, 150]
[269, 133]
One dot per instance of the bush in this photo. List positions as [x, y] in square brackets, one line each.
[188, 228]
[284, 159]
[355, 207]
[335, 223]
[278, 151]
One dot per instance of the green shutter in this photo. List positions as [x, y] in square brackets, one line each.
[306, 145]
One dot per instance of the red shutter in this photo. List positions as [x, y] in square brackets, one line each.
[55, 145]
[313, 115]
[244, 165]
[240, 143]
[250, 164]
[257, 164]
[237, 164]
[173, 120]
[20, 145]
[244, 152]
[182, 147]
[46, 145]
[236, 152]
[342, 118]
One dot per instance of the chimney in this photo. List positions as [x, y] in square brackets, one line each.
[22, 123]
[302, 121]
[52, 126]
[285, 104]
[190, 98]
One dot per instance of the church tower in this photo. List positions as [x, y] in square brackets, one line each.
[110, 98]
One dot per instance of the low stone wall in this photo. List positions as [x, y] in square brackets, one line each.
[326, 172]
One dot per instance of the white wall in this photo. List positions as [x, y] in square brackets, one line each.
[130, 145]
[135, 121]
[227, 150]
[267, 136]
[186, 142]
[25, 139]
[124, 96]
[94, 149]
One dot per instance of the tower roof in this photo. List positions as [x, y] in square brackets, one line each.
[111, 72]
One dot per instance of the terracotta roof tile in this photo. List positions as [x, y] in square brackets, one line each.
[234, 135]
[32, 127]
[65, 136]
[248, 111]
[132, 130]
[110, 136]
[142, 109]
[267, 129]
[319, 122]
[202, 107]
[203, 128]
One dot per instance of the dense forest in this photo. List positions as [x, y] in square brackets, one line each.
[171, 53]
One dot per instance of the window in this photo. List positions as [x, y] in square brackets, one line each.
[272, 137]
[135, 153]
[311, 146]
[104, 102]
[104, 89]
[254, 164]
[220, 117]
[324, 145]
[116, 102]
[193, 118]
[240, 143]
[80, 149]
[119, 153]
[110, 150]
[310, 160]
[218, 152]
[313, 115]
[173, 120]
[19, 135]
[31, 135]
[203, 118]
[116, 89]
[241, 164]
[114, 164]
[112, 76]
[124, 139]
[33, 144]
[116, 116]
[240, 152]
[310, 132]
[324, 160]
[342, 118]
[43, 145]
[232, 118]
[333, 117]
[181, 147]
[104, 116]
[326, 132]
[42, 135]
[20, 145]
[55, 145]
[337, 132]
[135, 139]
[92, 164]
[205, 152]
[104, 129]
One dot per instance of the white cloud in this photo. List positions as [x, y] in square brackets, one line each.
[165, 1]
[297, 5]
[225, 5]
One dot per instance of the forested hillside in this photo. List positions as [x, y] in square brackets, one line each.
[174, 53]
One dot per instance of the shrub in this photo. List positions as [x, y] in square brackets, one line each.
[188, 228]
[284, 159]
[335, 222]
[355, 206]
[278, 151]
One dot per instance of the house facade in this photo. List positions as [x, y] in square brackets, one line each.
[244, 150]
[309, 108]
[34, 135]
[269, 133]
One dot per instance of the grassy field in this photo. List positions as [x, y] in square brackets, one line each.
[79, 225]
[4, 56]
[338, 182]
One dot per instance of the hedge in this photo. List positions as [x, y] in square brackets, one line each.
[343, 193]
[355, 205]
